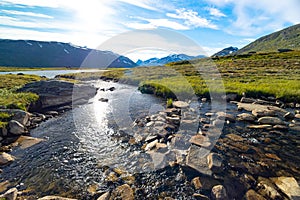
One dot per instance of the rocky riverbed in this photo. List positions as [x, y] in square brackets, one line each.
[191, 151]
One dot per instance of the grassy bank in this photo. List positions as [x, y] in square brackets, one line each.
[9, 98]
[269, 74]
[14, 69]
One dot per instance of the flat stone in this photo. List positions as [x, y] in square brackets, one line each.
[5, 158]
[151, 145]
[281, 127]
[263, 113]
[246, 117]
[197, 183]
[4, 185]
[251, 107]
[271, 121]
[247, 100]
[200, 196]
[267, 188]
[180, 104]
[265, 126]
[104, 196]
[200, 140]
[214, 162]
[197, 160]
[235, 137]
[288, 185]
[25, 141]
[272, 156]
[252, 195]
[297, 116]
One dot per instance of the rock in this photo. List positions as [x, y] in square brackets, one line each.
[281, 127]
[234, 137]
[214, 162]
[55, 94]
[3, 131]
[111, 89]
[174, 120]
[103, 100]
[218, 192]
[54, 198]
[200, 197]
[52, 113]
[5, 158]
[104, 196]
[231, 97]
[289, 116]
[16, 127]
[297, 116]
[123, 192]
[288, 185]
[180, 104]
[267, 189]
[247, 100]
[265, 126]
[271, 121]
[263, 113]
[246, 117]
[25, 141]
[197, 160]
[17, 115]
[200, 140]
[272, 156]
[197, 183]
[180, 143]
[151, 145]
[10, 194]
[4, 185]
[252, 195]
[225, 116]
[251, 107]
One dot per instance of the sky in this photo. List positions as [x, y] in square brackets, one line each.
[212, 24]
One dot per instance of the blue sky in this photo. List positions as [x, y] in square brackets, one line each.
[213, 24]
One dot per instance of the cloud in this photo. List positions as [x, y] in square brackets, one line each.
[250, 19]
[192, 19]
[146, 4]
[156, 23]
[216, 12]
[30, 14]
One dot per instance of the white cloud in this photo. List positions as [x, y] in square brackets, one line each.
[146, 4]
[30, 14]
[156, 23]
[192, 19]
[216, 12]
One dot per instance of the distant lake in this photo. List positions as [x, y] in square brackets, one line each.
[51, 73]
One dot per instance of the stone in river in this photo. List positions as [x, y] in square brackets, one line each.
[197, 160]
[200, 140]
[16, 127]
[180, 104]
[25, 141]
[289, 115]
[104, 196]
[197, 183]
[252, 195]
[267, 188]
[123, 192]
[263, 113]
[234, 137]
[6, 158]
[246, 117]
[218, 192]
[271, 121]
[264, 126]
[54, 198]
[10, 194]
[288, 185]
[273, 156]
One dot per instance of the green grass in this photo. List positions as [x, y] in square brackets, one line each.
[264, 74]
[14, 69]
[4, 118]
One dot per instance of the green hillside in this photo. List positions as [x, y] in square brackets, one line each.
[288, 38]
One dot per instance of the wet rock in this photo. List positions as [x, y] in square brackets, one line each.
[281, 127]
[16, 127]
[200, 197]
[246, 117]
[252, 195]
[161, 147]
[25, 141]
[250, 107]
[123, 192]
[197, 160]
[263, 113]
[272, 156]
[234, 137]
[297, 116]
[17, 115]
[289, 116]
[103, 100]
[3, 131]
[267, 189]
[271, 121]
[200, 140]
[54, 94]
[111, 89]
[247, 100]
[218, 192]
[196, 183]
[225, 116]
[54, 198]
[174, 120]
[180, 104]
[52, 113]
[288, 185]
[4, 185]
[104, 196]
[265, 126]
[214, 162]
[6, 158]
[10, 194]
[151, 145]
[180, 143]
[231, 97]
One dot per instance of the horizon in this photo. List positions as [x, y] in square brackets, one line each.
[212, 24]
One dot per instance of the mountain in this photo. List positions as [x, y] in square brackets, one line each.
[226, 51]
[288, 38]
[167, 59]
[30, 53]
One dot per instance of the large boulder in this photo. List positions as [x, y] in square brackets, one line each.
[271, 121]
[197, 160]
[288, 185]
[54, 94]
[16, 128]
[6, 158]
[17, 115]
